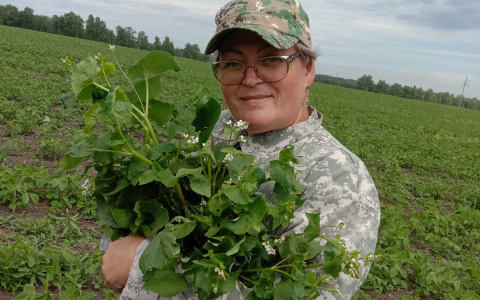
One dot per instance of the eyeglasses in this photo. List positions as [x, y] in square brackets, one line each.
[271, 68]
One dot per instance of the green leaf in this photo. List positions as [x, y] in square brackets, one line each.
[247, 221]
[183, 228]
[313, 229]
[235, 248]
[28, 293]
[83, 76]
[283, 291]
[152, 210]
[206, 151]
[122, 217]
[165, 282]
[187, 172]
[285, 179]
[235, 194]
[160, 112]
[68, 100]
[91, 118]
[116, 110]
[135, 169]
[208, 113]
[69, 162]
[181, 123]
[232, 150]
[201, 185]
[162, 251]
[156, 152]
[82, 149]
[286, 156]
[153, 64]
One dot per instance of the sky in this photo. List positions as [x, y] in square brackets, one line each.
[427, 43]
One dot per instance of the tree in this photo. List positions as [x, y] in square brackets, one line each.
[191, 51]
[407, 92]
[429, 96]
[382, 87]
[58, 24]
[396, 90]
[126, 37]
[142, 41]
[43, 23]
[90, 28]
[73, 25]
[157, 45]
[26, 18]
[417, 93]
[167, 45]
[9, 15]
[366, 83]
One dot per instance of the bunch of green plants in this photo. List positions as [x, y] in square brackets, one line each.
[160, 173]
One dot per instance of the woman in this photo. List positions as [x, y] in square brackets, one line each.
[265, 65]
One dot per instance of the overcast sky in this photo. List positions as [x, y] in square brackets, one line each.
[428, 43]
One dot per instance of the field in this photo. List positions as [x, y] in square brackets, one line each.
[423, 157]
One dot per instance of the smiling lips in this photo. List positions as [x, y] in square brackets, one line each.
[254, 97]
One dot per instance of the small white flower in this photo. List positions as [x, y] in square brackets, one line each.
[215, 289]
[95, 57]
[229, 123]
[340, 224]
[203, 203]
[112, 47]
[270, 250]
[242, 139]
[343, 266]
[184, 135]
[227, 158]
[242, 124]
[280, 239]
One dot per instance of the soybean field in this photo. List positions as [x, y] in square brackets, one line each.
[423, 157]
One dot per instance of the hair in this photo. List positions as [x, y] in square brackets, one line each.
[308, 54]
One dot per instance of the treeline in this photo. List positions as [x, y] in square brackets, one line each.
[366, 83]
[95, 29]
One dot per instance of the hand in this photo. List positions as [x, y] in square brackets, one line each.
[118, 260]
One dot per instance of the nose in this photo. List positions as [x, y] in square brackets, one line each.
[251, 76]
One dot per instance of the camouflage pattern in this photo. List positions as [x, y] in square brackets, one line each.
[281, 23]
[338, 185]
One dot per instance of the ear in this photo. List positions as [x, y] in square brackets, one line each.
[310, 75]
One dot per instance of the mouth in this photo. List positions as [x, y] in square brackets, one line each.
[254, 97]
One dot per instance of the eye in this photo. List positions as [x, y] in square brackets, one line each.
[231, 65]
[271, 61]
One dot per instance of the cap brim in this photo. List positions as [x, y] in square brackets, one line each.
[273, 37]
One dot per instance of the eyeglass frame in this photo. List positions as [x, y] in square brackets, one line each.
[288, 60]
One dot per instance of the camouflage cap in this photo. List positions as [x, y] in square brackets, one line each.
[281, 23]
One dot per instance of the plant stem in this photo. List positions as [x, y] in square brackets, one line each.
[101, 87]
[128, 79]
[180, 194]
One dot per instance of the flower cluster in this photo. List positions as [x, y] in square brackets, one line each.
[190, 138]
[280, 239]
[269, 248]
[227, 158]
[240, 124]
[86, 186]
[220, 272]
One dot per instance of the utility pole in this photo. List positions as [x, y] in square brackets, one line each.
[465, 83]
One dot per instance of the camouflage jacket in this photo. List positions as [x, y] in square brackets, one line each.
[338, 184]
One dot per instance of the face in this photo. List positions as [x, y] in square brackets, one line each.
[265, 105]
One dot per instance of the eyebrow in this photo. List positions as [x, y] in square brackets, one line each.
[241, 53]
